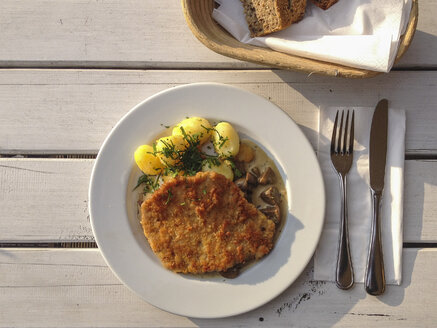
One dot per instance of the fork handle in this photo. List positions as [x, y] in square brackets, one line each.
[375, 277]
[344, 275]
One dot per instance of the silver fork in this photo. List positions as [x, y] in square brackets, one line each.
[342, 147]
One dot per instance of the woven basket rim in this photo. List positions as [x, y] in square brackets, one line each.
[213, 36]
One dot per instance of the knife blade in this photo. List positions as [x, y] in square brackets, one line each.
[375, 276]
[378, 145]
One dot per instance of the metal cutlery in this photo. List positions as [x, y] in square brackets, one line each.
[375, 277]
[342, 146]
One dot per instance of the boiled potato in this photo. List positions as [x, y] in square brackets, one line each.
[226, 140]
[167, 148]
[146, 161]
[194, 126]
[224, 168]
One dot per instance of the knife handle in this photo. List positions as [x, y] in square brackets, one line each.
[375, 277]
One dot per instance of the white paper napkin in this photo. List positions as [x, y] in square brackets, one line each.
[357, 33]
[359, 199]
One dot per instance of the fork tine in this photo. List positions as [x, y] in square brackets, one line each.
[334, 134]
[346, 131]
[351, 137]
[340, 133]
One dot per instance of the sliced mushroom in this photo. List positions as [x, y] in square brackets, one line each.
[248, 195]
[251, 179]
[240, 167]
[242, 183]
[273, 213]
[271, 196]
[255, 171]
[267, 177]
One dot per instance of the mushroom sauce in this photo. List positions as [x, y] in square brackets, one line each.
[263, 186]
[263, 162]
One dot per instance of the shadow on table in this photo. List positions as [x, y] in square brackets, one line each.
[307, 295]
[265, 269]
[6, 254]
[312, 303]
[341, 92]
[422, 43]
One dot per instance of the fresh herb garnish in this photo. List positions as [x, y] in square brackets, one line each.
[237, 172]
[187, 161]
[211, 161]
[221, 140]
[169, 196]
[169, 150]
[151, 184]
[142, 179]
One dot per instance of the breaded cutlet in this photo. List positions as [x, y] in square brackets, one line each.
[204, 224]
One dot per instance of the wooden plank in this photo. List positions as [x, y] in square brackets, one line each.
[424, 39]
[45, 200]
[72, 111]
[420, 210]
[74, 288]
[134, 34]
[81, 33]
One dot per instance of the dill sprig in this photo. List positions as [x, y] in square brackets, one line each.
[169, 196]
[188, 160]
[237, 172]
[150, 184]
[221, 140]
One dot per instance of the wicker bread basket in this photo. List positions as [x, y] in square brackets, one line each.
[198, 14]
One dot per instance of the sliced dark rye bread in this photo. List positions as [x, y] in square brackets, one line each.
[268, 16]
[324, 4]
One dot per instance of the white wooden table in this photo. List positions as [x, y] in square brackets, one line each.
[70, 69]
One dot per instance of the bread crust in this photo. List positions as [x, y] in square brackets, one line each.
[324, 4]
[268, 16]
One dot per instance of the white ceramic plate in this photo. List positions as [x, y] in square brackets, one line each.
[120, 237]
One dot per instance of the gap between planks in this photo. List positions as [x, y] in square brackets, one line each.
[136, 65]
[94, 155]
[91, 244]
[69, 156]
[76, 244]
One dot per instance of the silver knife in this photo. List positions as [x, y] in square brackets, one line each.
[374, 281]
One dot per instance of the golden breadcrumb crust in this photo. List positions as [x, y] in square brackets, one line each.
[204, 224]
